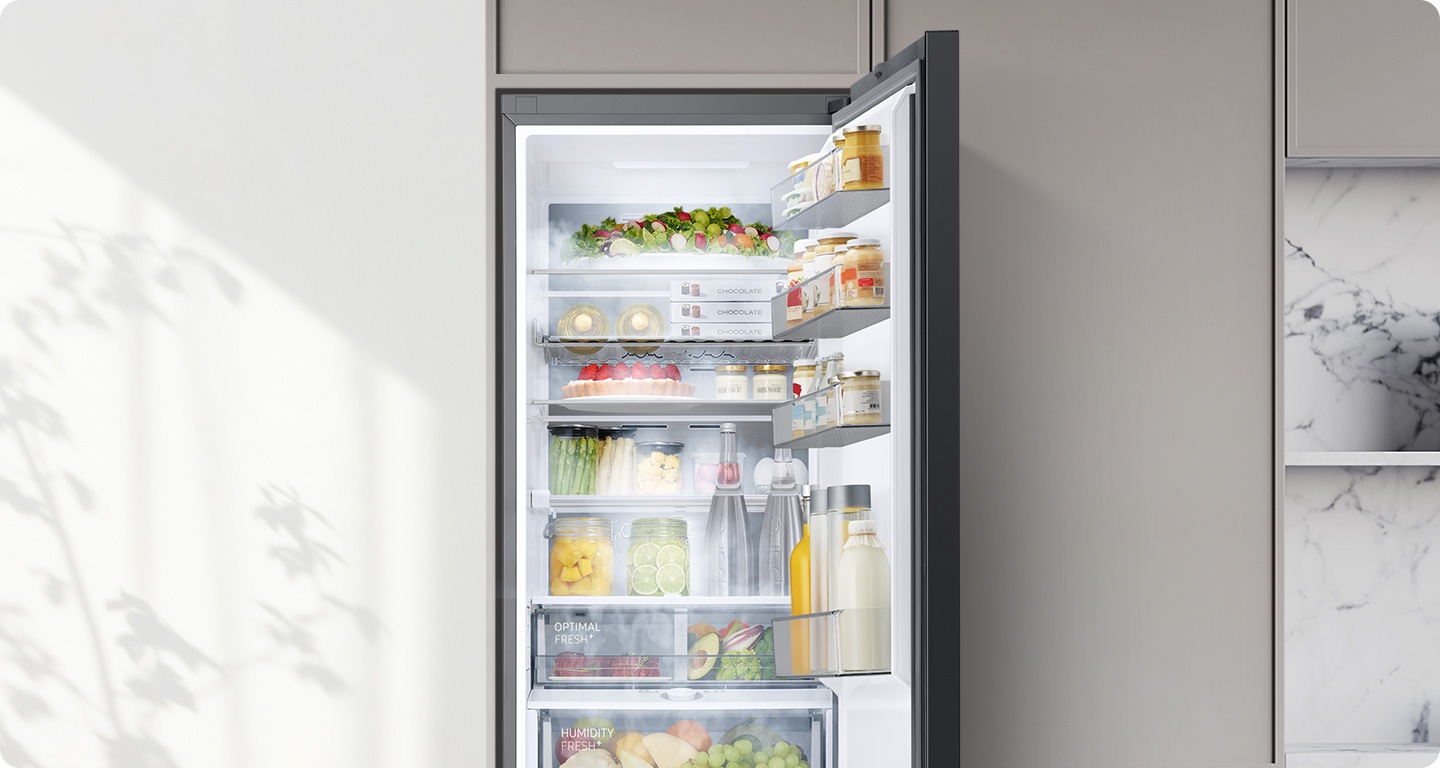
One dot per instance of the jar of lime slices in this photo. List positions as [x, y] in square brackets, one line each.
[658, 562]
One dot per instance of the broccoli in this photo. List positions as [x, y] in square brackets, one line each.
[765, 649]
[739, 665]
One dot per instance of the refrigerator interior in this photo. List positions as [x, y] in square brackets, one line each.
[614, 661]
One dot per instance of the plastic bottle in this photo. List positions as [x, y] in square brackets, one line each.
[780, 527]
[862, 595]
[819, 575]
[732, 563]
[800, 603]
[848, 504]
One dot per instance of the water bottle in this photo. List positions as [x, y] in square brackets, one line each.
[780, 528]
[732, 561]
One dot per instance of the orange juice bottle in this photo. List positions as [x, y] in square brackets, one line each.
[800, 603]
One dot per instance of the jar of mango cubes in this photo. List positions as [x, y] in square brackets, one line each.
[582, 557]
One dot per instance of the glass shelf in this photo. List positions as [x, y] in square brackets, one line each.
[659, 406]
[640, 504]
[674, 351]
[1362, 459]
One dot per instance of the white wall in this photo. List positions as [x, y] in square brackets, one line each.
[244, 384]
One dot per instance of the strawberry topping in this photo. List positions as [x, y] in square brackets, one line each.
[621, 372]
[639, 371]
[589, 372]
[672, 372]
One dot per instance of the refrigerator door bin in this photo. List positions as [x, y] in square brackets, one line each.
[673, 723]
[798, 205]
[830, 644]
[797, 425]
[836, 322]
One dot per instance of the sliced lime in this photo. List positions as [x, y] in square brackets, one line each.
[642, 580]
[671, 553]
[672, 578]
[644, 554]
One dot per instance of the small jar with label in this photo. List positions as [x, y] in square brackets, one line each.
[862, 275]
[859, 398]
[771, 383]
[827, 287]
[792, 297]
[827, 179]
[826, 405]
[862, 164]
[731, 383]
[804, 374]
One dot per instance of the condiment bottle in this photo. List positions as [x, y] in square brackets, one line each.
[862, 274]
[862, 592]
[862, 164]
[860, 401]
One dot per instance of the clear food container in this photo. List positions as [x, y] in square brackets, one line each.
[657, 469]
[705, 468]
[658, 560]
[574, 450]
[582, 557]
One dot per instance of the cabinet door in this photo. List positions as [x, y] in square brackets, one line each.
[1118, 464]
[630, 37]
[1362, 76]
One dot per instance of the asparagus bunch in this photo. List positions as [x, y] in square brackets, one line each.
[572, 465]
[616, 470]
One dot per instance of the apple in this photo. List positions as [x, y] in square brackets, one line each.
[737, 229]
[691, 733]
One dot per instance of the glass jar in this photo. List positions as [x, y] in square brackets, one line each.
[826, 405]
[574, 449]
[731, 383]
[657, 469]
[859, 398]
[582, 558]
[862, 275]
[827, 173]
[862, 164]
[793, 314]
[804, 375]
[657, 563]
[825, 289]
[771, 383]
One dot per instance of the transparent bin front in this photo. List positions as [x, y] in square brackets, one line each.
[675, 726]
[842, 642]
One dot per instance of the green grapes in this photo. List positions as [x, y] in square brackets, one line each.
[777, 762]
[792, 760]
[745, 747]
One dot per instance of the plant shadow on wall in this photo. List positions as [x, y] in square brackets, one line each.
[1367, 340]
[135, 667]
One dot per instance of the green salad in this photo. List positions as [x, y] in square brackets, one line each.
[702, 230]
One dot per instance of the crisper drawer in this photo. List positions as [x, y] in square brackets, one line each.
[624, 642]
[681, 727]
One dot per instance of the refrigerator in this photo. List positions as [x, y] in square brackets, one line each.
[647, 304]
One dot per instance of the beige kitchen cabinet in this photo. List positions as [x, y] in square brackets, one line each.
[1362, 77]
[745, 39]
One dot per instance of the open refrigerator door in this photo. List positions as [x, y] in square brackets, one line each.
[661, 343]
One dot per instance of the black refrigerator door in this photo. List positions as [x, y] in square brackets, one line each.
[932, 66]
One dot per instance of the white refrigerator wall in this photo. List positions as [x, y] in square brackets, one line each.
[244, 390]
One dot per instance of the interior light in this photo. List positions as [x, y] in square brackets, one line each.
[689, 165]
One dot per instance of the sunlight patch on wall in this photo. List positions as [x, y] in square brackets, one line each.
[213, 538]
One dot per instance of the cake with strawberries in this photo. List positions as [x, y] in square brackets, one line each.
[638, 380]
